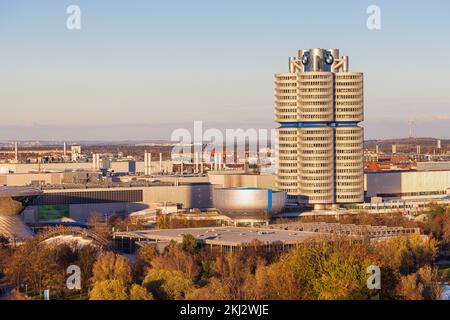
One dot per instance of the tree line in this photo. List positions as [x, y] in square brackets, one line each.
[315, 270]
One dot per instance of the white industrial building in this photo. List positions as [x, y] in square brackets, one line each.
[116, 166]
[407, 185]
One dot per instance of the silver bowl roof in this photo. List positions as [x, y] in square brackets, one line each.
[248, 203]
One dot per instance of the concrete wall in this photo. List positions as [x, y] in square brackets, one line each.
[123, 166]
[82, 212]
[433, 166]
[117, 166]
[189, 196]
[408, 182]
[28, 167]
[184, 179]
[23, 179]
[243, 181]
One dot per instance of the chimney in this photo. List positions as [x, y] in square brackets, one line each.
[215, 160]
[147, 163]
[220, 160]
[96, 161]
[16, 151]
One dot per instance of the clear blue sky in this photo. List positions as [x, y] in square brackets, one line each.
[139, 69]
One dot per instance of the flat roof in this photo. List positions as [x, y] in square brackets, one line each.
[248, 189]
[232, 236]
[405, 171]
[6, 191]
[117, 185]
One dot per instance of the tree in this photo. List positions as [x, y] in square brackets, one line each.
[168, 284]
[233, 279]
[36, 265]
[407, 254]
[143, 259]
[232, 272]
[215, 290]
[162, 222]
[109, 290]
[422, 285]
[87, 256]
[342, 279]
[5, 255]
[446, 232]
[176, 259]
[315, 270]
[65, 254]
[138, 292]
[16, 295]
[168, 222]
[110, 266]
[207, 269]
[120, 223]
[274, 282]
[189, 243]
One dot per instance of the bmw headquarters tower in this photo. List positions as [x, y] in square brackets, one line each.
[318, 105]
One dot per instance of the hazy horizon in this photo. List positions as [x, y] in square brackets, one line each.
[147, 132]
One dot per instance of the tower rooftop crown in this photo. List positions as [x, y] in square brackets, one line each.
[318, 60]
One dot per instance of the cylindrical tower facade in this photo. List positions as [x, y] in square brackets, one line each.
[286, 97]
[349, 87]
[288, 160]
[349, 167]
[319, 105]
[316, 97]
[316, 164]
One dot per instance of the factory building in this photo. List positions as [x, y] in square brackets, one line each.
[43, 178]
[23, 179]
[407, 185]
[433, 166]
[116, 166]
[319, 104]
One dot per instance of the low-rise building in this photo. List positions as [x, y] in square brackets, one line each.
[407, 185]
[226, 239]
[79, 202]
